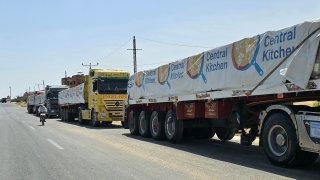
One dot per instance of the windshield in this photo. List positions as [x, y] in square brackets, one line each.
[112, 86]
[53, 95]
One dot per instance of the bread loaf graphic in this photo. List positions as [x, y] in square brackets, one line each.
[163, 73]
[243, 52]
[138, 79]
[194, 65]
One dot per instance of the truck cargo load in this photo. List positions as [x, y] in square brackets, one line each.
[74, 95]
[31, 101]
[237, 66]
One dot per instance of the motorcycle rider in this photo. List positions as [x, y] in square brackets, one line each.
[42, 109]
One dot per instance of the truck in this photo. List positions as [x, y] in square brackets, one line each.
[249, 87]
[31, 101]
[51, 99]
[3, 100]
[99, 99]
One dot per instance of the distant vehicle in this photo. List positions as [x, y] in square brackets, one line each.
[3, 100]
[31, 101]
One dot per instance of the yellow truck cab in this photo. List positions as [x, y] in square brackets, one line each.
[100, 99]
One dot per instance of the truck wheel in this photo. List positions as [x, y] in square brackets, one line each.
[80, 119]
[94, 121]
[63, 117]
[133, 123]
[71, 117]
[203, 133]
[29, 110]
[60, 113]
[173, 128]
[279, 141]
[157, 125]
[66, 115]
[144, 124]
[226, 134]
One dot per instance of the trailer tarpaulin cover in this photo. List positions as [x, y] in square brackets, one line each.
[237, 66]
[74, 95]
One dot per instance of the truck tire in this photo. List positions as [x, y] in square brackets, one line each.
[226, 134]
[29, 110]
[133, 123]
[144, 124]
[94, 121]
[157, 125]
[280, 143]
[60, 114]
[80, 119]
[71, 117]
[66, 115]
[63, 117]
[203, 133]
[173, 128]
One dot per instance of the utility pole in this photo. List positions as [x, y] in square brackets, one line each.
[10, 91]
[134, 50]
[90, 65]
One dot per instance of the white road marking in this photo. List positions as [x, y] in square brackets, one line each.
[55, 144]
[32, 127]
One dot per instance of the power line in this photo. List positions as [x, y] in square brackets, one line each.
[174, 44]
[167, 62]
[115, 50]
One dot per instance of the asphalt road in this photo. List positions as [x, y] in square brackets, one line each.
[62, 150]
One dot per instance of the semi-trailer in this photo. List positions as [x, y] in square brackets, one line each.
[249, 86]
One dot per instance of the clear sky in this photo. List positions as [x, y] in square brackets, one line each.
[41, 39]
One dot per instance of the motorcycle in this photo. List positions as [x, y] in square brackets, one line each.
[42, 118]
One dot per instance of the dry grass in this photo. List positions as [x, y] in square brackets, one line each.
[22, 104]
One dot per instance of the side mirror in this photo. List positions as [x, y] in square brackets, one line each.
[94, 86]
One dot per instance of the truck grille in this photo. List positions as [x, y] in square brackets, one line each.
[114, 105]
